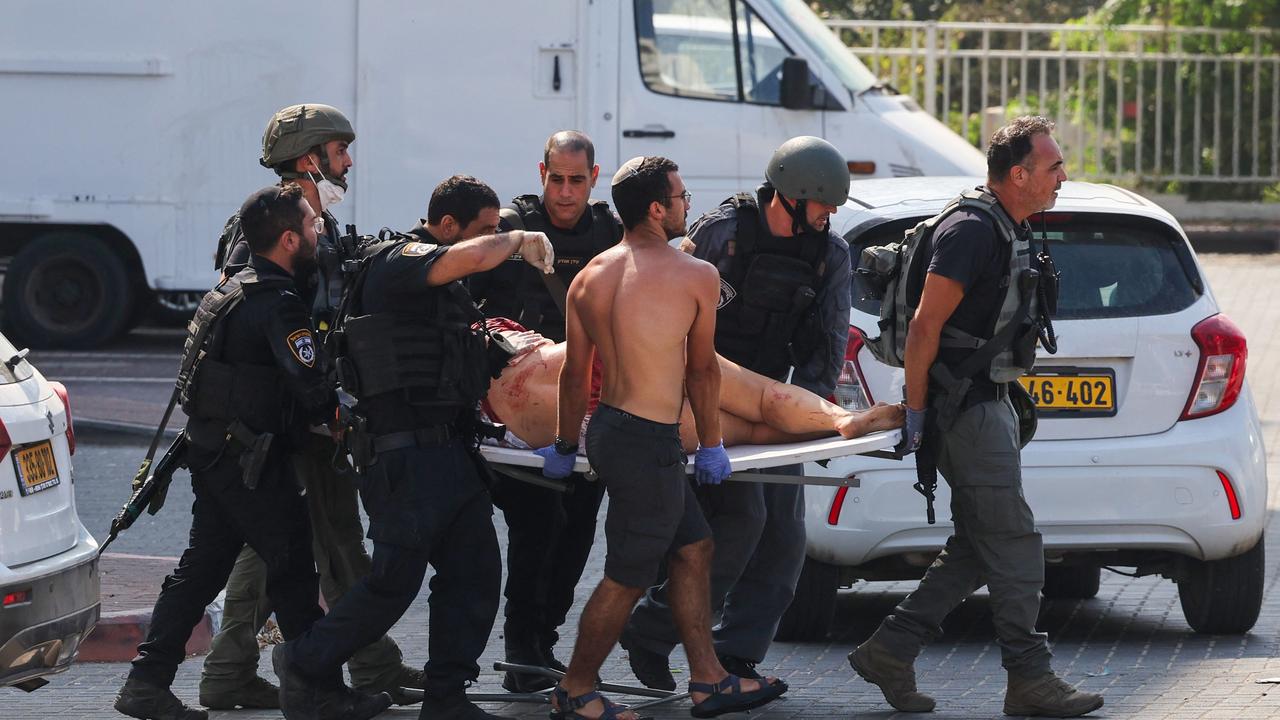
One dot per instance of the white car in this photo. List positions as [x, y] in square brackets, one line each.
[48, 561]
[1149, 453]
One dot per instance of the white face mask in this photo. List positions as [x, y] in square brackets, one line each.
[330, 194]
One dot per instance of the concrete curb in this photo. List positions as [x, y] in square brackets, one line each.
[118, 633]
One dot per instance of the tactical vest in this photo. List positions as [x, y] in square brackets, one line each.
[768, 318]
[895, 273]
[211, 388]
[433, 355]
[518, 290]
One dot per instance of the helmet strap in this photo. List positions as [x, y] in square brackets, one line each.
[798, 213]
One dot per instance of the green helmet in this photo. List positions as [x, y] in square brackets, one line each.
[809, 168]
[298, 128]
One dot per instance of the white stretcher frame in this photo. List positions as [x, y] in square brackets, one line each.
[521, 464]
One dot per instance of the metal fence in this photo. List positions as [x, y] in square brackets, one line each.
[1131, 102]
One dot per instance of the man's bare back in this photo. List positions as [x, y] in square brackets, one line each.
[637, 303]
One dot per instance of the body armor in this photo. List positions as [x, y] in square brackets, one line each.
[217, 390]
[433, 355]
[518, 290]
[767, 319]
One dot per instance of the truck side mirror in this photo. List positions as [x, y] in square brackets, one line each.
[796, 92]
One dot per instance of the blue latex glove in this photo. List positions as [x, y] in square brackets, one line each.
[912, 431]
[556, 466]
[711, 465]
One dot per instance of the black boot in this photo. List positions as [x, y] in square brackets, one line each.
[454, 706]
[141, 699]
[522, 649]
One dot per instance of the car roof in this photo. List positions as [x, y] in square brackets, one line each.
[877, 200]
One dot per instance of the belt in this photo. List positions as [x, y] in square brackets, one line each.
[431, 436]
[984, 393]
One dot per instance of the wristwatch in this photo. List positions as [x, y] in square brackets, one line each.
[565, 448]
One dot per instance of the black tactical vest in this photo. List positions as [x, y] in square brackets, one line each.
[213, 389]
[768, 319]
[516, 289]
[430, 354]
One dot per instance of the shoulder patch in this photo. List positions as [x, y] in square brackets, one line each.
[727, 293]
[416, 249]
[303, 347]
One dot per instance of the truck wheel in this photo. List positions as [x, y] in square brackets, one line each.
[1224, 597]
[1072, 582]
[67, 289]
[812, 609]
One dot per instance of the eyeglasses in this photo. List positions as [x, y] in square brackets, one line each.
[318, 225]
[686, 195]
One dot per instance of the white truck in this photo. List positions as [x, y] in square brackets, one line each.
[134, 127]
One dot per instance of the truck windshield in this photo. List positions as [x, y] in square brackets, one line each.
[852, 73]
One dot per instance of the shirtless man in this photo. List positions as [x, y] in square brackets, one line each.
[649, 310]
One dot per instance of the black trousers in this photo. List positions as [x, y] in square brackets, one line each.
[272, 519]
[427, 506]
[549, 538]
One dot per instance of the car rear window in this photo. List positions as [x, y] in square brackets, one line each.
[1111, 266]
[21, 370]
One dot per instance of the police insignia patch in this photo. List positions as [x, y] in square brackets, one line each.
[303, 347]
[416, 249]
[727, 293]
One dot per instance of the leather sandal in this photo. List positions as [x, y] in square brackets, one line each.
[566, 706]
[727, 696]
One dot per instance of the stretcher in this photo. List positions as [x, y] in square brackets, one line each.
[525, 465]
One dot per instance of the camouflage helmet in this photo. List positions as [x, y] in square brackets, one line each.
[298, 128]
[809, 168]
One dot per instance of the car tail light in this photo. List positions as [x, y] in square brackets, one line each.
[1233, 503]
[1220, 374]
[833, 517]
[5, 442]
[851, 387]
[61, 390]
[17, 597]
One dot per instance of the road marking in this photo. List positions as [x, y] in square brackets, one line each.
[101, 379]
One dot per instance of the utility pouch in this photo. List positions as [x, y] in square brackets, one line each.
[254, 456]
[1025, 410]
[878, 268]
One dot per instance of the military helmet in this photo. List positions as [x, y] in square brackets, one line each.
[298, 128]
[809, 168]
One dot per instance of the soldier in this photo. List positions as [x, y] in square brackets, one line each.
[549, 533]
[415, 358]
[971, 278]
[258, 384]
[307, 145]
[784, 301]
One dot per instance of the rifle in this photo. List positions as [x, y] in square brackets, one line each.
[150, 486]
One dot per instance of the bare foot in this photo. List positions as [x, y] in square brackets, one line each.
[881, 417]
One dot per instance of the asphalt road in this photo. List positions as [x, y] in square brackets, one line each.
[1130, 642]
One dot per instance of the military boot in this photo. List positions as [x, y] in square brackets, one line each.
[400, 687]
[895, 677]
[522, 649]
[145, 701]
[257, 694]
[651, 668]
[1047, 695]
[454, 706]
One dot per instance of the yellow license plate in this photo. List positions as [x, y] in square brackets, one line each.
[1094, 393]
[36, 467]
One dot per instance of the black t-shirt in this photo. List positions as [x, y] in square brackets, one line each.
[968, 249]
[396, 282]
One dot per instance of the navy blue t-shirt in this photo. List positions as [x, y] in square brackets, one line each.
[967, 248]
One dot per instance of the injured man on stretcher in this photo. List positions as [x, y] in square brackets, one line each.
[754, 409]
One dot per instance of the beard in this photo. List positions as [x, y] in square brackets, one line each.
[675, 228]
[306, 264]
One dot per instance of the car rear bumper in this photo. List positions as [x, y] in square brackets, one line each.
[1156, 492]
[42, 636]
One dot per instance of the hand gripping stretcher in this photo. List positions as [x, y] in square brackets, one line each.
[525, 465]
